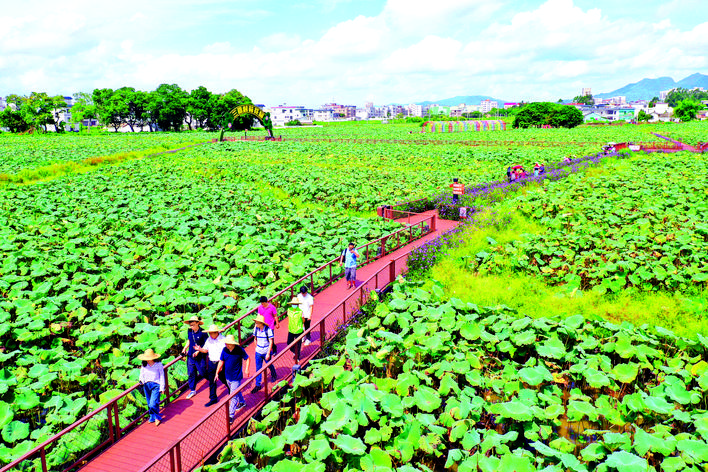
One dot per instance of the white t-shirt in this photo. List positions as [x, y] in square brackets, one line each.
[215, 346]
[306, 302]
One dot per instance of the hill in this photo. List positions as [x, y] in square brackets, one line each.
[467, 100]
[646, 89]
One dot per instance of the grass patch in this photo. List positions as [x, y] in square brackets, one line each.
[59, 169]
[530, 295]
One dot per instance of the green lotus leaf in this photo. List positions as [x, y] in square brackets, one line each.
[318, 449]
[26, 399]
[15, 431]
[625, 461]
[535, 375]
[552, 348]
[6, 413]
[626, 373]
[349, 444]
[427, 399]
[696, 450]
[593, 452]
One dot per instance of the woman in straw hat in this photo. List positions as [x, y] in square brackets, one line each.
[264, 347]
[196, 361]
[213, 347]
[152, 378]
[231, 361]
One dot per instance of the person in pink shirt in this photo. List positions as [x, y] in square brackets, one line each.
[270, 314]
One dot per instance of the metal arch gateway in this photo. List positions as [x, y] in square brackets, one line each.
[263, 117]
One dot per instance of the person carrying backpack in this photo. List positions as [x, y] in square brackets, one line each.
[264, 346]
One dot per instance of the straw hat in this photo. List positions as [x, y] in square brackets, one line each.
[259, 319]
[230, 340]
[213, 329]
[194, 318]
[148, 355]
[294, 301]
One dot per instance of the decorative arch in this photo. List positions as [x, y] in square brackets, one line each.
[263, 117]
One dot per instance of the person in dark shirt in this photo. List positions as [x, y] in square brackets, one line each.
[196, 364]
[231, 362]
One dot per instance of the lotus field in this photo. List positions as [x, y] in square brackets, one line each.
[100, 263]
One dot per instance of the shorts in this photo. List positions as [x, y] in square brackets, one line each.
[350, 274]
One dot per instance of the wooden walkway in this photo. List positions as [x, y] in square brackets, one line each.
[142, 448]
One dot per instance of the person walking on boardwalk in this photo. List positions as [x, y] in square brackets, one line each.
[306, 303]
[231, 363]
[152, 378]
[264, 347]
[349, 257]
[213, 347]
[295, 328]
[196, 361]
[270, 314]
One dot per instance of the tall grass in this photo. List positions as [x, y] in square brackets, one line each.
[528, 295]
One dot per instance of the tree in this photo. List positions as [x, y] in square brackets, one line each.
[686, 109]
[108, 110]
[220, 111]
[643, 116]
[168, 107]
[584, 99]
[547, 113]
[678, 95]
[39, 110]
[84, 108]
[13, 120]
[653, 102]
[198, 110]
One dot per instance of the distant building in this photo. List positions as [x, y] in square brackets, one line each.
[282, 114]
[510, 105]
[586, 92]
[323, 115]
[415, 110]
[487, 105]
[664, 94]
[439, 110]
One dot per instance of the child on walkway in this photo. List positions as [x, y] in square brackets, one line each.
[152, 378]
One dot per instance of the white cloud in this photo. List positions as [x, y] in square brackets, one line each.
[411, 50]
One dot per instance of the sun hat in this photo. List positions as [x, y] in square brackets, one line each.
[259, 319]
[213, 329]
[148, 355]
[230, 340]
[194, 318]
[294, 301]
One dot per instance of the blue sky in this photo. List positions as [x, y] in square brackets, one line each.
[351, 51]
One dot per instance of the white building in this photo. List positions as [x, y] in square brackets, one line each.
[487, 105]
[415, 110]
[282, 114]
[323, 115]
[586, 92]
[362, 114]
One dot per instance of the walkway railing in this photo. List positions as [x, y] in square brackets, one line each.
[67, 453]
[214, 429]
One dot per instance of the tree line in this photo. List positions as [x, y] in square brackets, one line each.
[167, 108]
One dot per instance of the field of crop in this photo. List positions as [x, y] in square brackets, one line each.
[693, 132]
[637, 222]
[425, 385]
[31, 151]
[99, 265]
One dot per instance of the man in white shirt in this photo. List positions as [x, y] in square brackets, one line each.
[213, 347]
[306, 304]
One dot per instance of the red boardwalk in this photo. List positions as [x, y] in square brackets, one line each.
[190, 432]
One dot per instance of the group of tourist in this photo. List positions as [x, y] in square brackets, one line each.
[216, 357]
[514, 173]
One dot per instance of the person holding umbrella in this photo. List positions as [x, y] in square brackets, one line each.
[152, 378]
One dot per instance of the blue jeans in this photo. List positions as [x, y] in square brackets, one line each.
[195, 367]
[260, 360]
[211, 372]
[152, 394]
[233, 385]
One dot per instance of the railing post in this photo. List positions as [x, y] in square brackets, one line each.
[367, 253]
[109, 413]
[322, 333]
[344, 312]
[43, 458]
[167, 386]
[434, 223]
[312, 282]
[173, 466]
[392, 270]
[116, 421]
[238, 328]
[228, 422]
